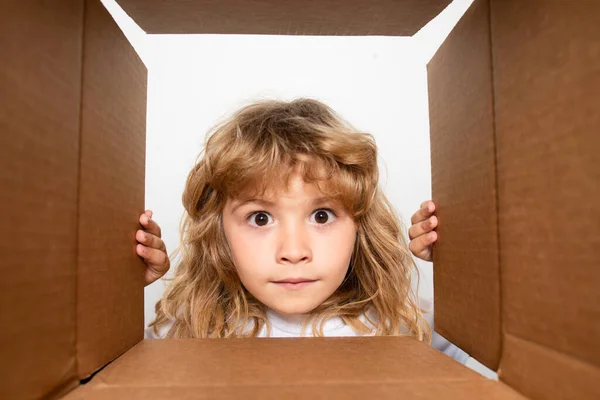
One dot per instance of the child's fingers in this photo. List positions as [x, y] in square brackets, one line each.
[422, 228]
[151, 275]
[421, 246]
[157, 263]
[426, 210]
[155, 259]
[150, 240]
[150, 225]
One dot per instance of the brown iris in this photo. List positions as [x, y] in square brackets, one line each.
[321, 217]
[261, 219]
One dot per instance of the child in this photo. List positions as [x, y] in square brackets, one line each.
[287, 233]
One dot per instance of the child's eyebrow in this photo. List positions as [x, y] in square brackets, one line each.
[314, 202]
[259, 201]
[320, 201]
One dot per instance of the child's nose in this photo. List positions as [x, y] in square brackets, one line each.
[294, 246]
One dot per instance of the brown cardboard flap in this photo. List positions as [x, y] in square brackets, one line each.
[110, 280]
[547, 76]
[357, 367]
[544, 373]
[219, 362]
[40, 75]
[274, 17]
[466, 266]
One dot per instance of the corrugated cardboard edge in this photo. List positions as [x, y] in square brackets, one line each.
[274, 17]
[110, 288]
[466, 258]
[547, 93]
[39, 138]
[488, 390]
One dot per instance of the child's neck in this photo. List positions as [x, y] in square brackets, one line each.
[287, 322]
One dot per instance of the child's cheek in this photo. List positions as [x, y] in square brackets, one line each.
[252, 254]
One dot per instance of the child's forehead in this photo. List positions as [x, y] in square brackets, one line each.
[296, 187]
[307, 182]
[298, 193]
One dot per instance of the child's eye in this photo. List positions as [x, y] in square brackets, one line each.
[323, 216]
[259, 219]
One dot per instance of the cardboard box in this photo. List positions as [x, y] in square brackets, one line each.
[514, 93]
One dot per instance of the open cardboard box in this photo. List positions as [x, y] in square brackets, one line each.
[514, 92]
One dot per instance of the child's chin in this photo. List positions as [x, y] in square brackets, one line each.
[295, 309]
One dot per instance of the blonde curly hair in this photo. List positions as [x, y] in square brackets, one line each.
[259, 147]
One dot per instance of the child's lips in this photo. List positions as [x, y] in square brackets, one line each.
[294, 284]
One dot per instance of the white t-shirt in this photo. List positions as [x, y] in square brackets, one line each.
[291, 326]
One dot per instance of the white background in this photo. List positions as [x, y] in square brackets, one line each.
[373, 82]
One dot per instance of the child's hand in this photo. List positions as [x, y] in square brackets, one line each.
[421, 232]
[152, 249]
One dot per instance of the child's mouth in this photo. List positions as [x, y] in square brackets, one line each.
[294, 284]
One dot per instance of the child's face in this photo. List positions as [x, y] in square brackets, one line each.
[295, 237]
